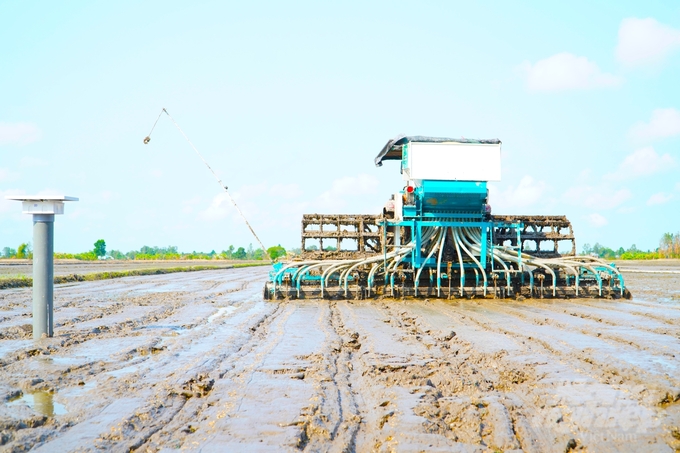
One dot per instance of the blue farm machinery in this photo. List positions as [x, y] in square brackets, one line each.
[436, 237]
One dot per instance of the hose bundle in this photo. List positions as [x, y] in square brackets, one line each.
[467, 242]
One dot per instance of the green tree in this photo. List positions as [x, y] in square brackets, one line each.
[667, 239]
[276, 252]
[24, 251]
[670, 245]
[100, 248]
[602, 251]
[146, 250]
[8, 252]
[227, 254]
[117, 255]
[240, 254]
[87, 256]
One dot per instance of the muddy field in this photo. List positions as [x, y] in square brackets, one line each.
[68, 267]
[199, 361]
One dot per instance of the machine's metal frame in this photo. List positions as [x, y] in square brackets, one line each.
[437, 238]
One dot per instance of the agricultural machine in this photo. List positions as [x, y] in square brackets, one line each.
[437, 238]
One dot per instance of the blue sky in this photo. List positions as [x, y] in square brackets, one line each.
[290, 102]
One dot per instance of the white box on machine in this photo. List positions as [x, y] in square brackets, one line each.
[453, 161]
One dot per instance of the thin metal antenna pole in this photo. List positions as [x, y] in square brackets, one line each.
[219, 181]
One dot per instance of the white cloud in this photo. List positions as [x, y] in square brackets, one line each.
[221, 206]
[596, 197]
[10, 205]
[566, 71]
[19, 133]
[526, 193]
[335, 198]
[659, 198]
[7, 176]
[642, 162]
[290, 212]
[218, 208]
[664, 123]
[275, 210]
[189, 205]
[585, 174]
[32, 162]
[252, 190]
[597, 220]
[362, 184]
[50, 193]
[291, 190]
[645, 41]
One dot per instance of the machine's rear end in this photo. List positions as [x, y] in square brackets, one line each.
[437, 238]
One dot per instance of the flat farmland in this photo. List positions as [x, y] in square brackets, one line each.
[198, 361]
[69, 267]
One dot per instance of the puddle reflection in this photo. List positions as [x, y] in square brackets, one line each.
[40, 401]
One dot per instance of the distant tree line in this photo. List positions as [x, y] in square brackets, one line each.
[170, 252]
[24, 251]
[669, 247]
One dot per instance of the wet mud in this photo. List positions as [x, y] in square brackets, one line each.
[9, 267]
[200, 362]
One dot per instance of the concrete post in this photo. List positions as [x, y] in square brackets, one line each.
[43, 275]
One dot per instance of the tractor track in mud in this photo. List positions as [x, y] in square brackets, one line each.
[336, 420]
[611, 372]
[200, 362]
[606, 369]
[130, 357]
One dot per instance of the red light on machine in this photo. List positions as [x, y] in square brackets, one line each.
[409, 189]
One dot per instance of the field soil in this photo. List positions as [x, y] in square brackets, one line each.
[200, 362]
[69, 267]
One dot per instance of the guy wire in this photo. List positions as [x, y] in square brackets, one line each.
[219, 181]
[147, 139]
